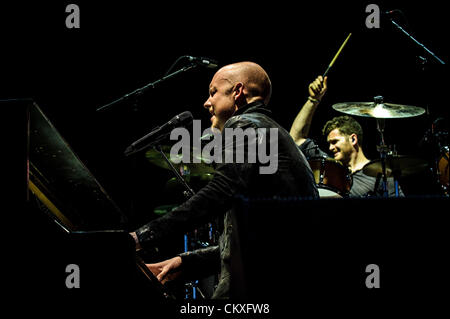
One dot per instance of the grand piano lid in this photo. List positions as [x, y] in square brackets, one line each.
[63, 177]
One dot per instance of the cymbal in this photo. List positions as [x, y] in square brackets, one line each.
[378, 110]
[399, 164]
[155, 157]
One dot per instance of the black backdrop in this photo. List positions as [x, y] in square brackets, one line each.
[123, 45]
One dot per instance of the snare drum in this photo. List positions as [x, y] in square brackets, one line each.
[332, 178]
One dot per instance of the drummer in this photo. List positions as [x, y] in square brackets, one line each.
[344, 135]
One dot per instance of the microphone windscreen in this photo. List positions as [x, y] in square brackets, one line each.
[184, 118]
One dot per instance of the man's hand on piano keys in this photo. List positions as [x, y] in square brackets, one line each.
[166, 270]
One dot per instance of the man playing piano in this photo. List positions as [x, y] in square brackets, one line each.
[238, 98]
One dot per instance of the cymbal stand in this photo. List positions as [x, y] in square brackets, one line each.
[383, 149]
[396, 175]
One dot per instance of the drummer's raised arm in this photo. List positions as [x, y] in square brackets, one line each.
[301, 125]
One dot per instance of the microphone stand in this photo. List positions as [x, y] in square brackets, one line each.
[421, 60]
[189, 191]
[152, 85]
[417, 42]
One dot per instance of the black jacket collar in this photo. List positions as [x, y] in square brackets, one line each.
[256, 106]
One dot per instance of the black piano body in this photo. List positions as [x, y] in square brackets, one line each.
[67, 238]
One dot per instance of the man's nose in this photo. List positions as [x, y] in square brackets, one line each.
[207, 104]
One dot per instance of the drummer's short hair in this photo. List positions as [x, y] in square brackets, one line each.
[346, 125]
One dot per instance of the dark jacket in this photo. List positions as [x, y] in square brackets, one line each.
[292, 177]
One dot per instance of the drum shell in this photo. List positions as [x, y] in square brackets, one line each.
[443, 170]
[331, 175]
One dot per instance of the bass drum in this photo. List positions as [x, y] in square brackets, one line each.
[333, 179]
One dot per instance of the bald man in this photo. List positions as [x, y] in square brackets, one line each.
[238, 98]
[234, 86]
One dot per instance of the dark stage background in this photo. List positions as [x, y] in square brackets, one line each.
[123, 45]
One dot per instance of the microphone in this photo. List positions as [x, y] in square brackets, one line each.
[160, 133]
[391, 12]
[206, 62]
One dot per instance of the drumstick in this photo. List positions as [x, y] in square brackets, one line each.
[337, 54]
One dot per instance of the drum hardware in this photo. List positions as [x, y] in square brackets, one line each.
[440, 138]
[183, 176]
[437, 138]
[377, 184]
[405, 165]
[423, 61]
[159, 159]
[190, 286]
[396, 166]
[380, 111]
[196, 182]
[383, 149]
[333, 179]
[443, 171]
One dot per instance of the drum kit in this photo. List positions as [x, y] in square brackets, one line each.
[334, 180]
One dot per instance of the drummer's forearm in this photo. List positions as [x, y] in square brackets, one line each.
[302, 122]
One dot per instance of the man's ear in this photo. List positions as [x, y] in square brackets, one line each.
[238, 91]
[354, 139]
